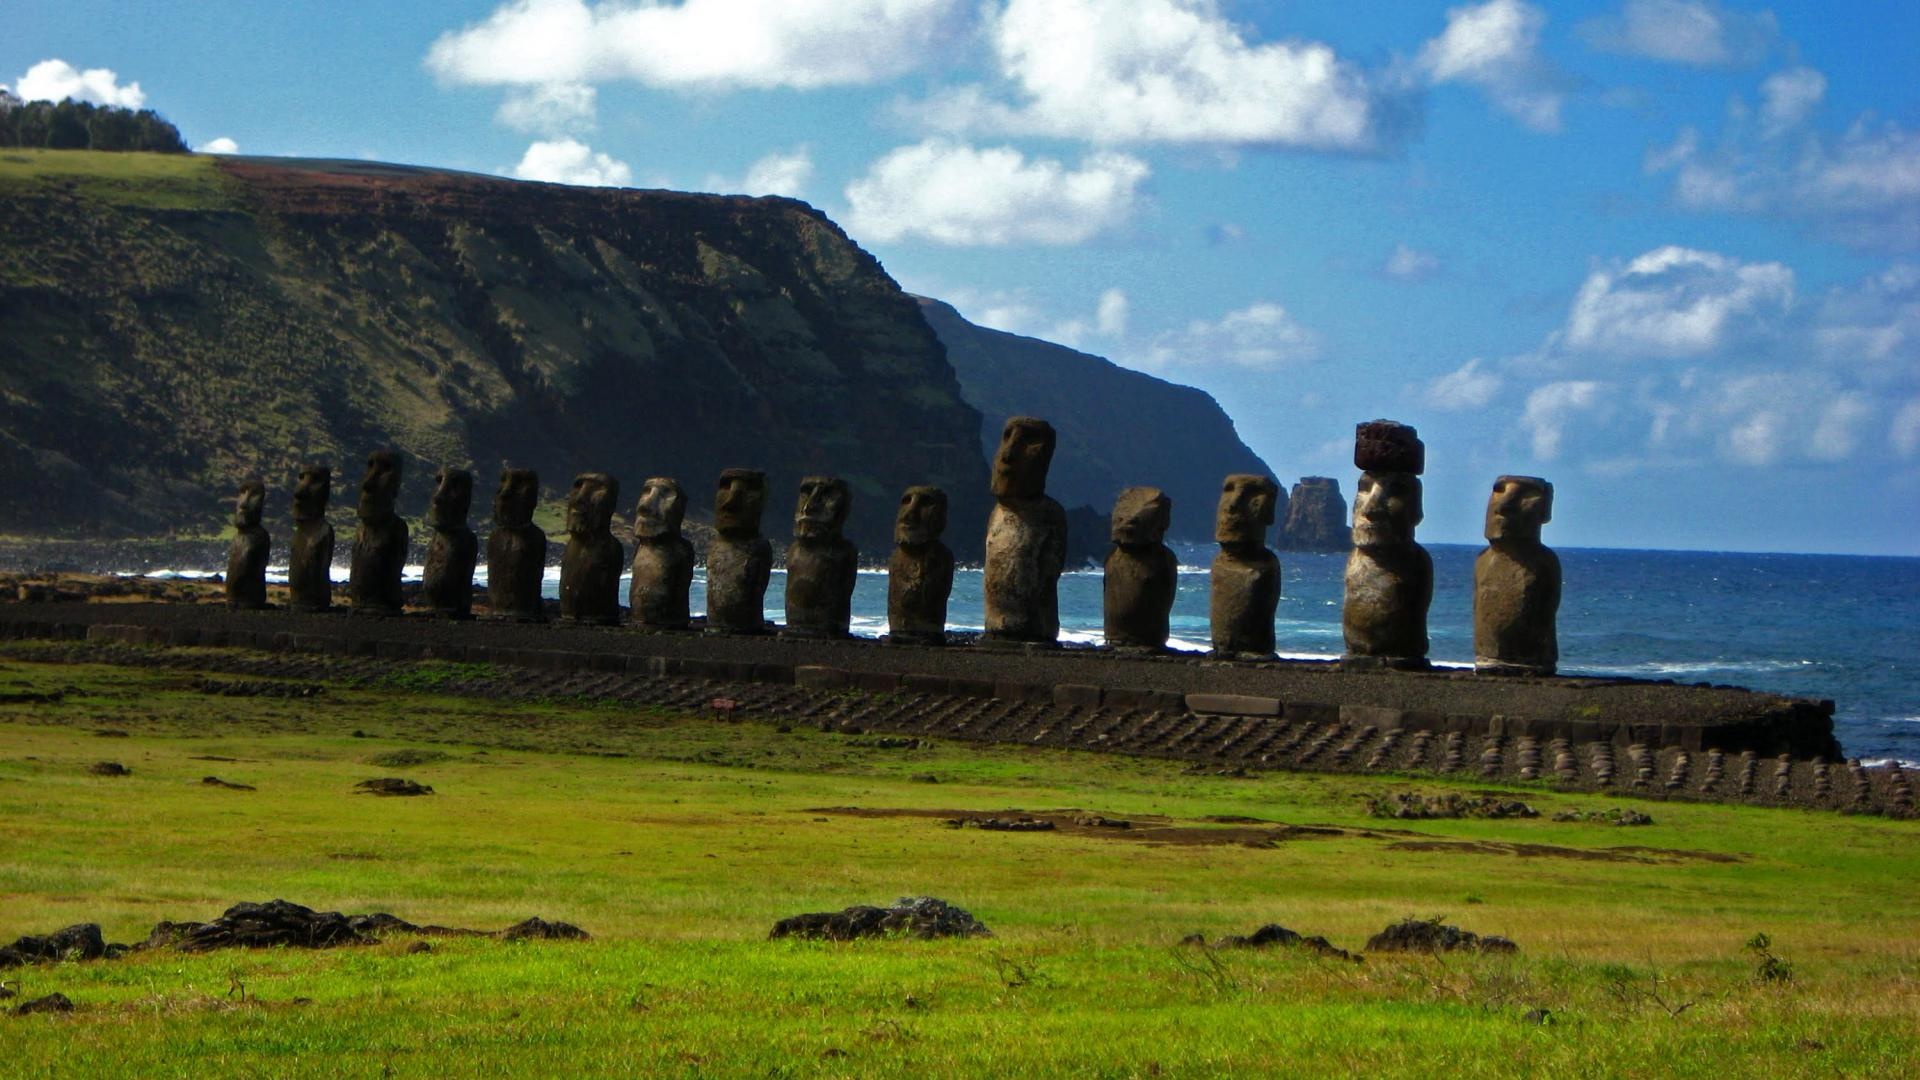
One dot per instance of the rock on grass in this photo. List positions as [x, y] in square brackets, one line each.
[391, 785]
[1433, 936]
[924, 917]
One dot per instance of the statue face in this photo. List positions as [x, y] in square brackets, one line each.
[452, 498]
[1140, 517]
[590, 504]
[311, 493]
[663, 506]
[1386, 508]
[737, 503]
[822, 508]
[519, 493]
[1020, 465]
[1518, 507]
[922, 517]
[380, 488]
[249, 503]
[1246, 509]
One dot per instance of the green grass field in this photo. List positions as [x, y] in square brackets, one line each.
[678, 840]
[154, 181]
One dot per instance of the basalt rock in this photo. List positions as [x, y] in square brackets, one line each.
[1026, 540]
[739, 560]
[923, 917]
[1433, 936]
[1245, 583]
[247, 556]
[920, 574]
[1316, 517]
[380, 542]
[591, 565]
[822, 566]
[662, 558]
[1141, 572]
[1387, 446]
[1516, 583]
[517, 550]
[446, 586]
[310, 558]
[1389, 579]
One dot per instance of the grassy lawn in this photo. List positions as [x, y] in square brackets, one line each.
[155, 181]
[678, 840]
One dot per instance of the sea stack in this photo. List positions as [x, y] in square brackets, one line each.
[1389, 580]
[1516, 583]
[380, 543]
[517, 550]
[662, 558]
[1316, 517]
[1141, 572]
[1026, 540]
[591, 564]
[310, 557]
[247, 556]
[739, 560]
[1245, 583]
[446, 584]
[920, 574]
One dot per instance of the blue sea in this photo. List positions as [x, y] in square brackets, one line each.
[1822, 626]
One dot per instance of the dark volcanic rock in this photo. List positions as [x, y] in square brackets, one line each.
[260, 926]
[391, 785]
[923, 917]
[1433, 936]
[1316, 517]
[1273, 934]
[80, 941]
[538, 929]
[52, 1003]
[1411, 806]
[109, 768]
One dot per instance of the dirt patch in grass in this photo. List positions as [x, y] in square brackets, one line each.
[1144, 828]
[1550, 851]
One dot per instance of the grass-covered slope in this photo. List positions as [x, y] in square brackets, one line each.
[171, 323]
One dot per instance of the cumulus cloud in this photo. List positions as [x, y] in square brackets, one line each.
[1872, 329]
[1410, 264]
[779, 173]
[1469, 386]
[1260, 336]
[57, 80]
[1110, 316]
[952, 193]
[1698, 32]
[697, 44]
[569, 161]
[1176, 71]
[1551, 407]
[1904, 435]
[1675, 302]
[549, 109]
[1788, 98]
[1495, 46]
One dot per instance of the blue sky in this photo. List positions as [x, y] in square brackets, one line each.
[1665, 253]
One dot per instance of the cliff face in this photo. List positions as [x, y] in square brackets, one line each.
[1316, 517]
[164, 334]
[1117, 428]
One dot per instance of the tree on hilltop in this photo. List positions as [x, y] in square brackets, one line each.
[80, 125]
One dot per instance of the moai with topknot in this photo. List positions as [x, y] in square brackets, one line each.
[517, 550]
[591, 564]
[1141, 572]
[1026, 540]
[662, 558]
[446, 584]
[247, 556]
[1516, 583]
[310, 556]
[739, 560]
[822, 564]
[1245, 583]
[380, 543]
[920, 574]
[1389, 581]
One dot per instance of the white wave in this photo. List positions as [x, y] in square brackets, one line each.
[1671, 668]
[1883, 762]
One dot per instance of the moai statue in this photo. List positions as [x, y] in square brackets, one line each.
[1142, 573]
[662, 558]
[590, 567]
[517, 550]
[822, 565]
[446, 586]
[1389, 576]
[1246, 576]
[310, 558]
[1516, 583]
[247, 558]
[380, 543]
[920, 574]
[1026, 540]
[739, 561]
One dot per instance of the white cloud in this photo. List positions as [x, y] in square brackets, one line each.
[1699, 32]
[1410, 264]
[1495, 46]
[1905, 432]
[1119, 71]
[1837, 434]
[57, 80]
[1110, 317]
[1470, 386]
[1550, 408]
[568, 161]
[778, 173]
[1788, 98]
[1676, 302]
[1260, 336]
[697, 44]
[951, 193]
[221, 145]
[549, 109]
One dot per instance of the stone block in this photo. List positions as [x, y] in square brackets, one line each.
[875, 682]
[1309, 712]
[980, 688]
[1361, 716]
[1235, 704]
[1081, 695]
[773, 674]
[924, 684]
[1025, 692]
[1141, 700]
[820, 677]
[613, 663]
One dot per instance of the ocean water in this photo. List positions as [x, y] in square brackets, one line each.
[1823, 626]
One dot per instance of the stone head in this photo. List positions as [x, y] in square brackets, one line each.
[513, 503]
[922, 517]
[1140, 517]
[1246, 509]
[452, 498]
[738, 502]
[1386, 509]
[591, 503]
[380, 487]
[249, 503]
[1020, 465]
[822, 508]
[1517, 508]
[662, 507]
[311, 493]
